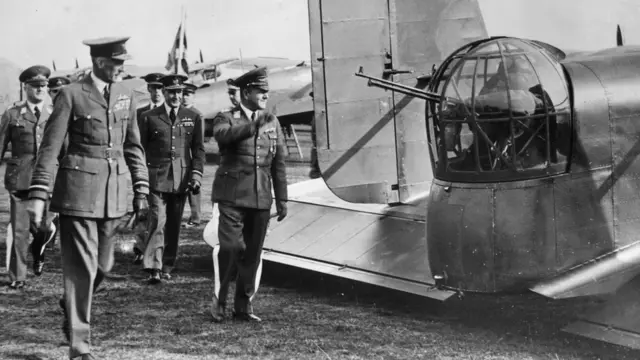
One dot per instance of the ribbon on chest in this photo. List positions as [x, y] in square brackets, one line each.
[122, 103]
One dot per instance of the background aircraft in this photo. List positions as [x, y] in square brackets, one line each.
[433, 203]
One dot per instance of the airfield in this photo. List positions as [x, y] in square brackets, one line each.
[307, 315]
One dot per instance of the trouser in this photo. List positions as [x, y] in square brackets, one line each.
[87, 254]
[239, 225]
[165, 216]
[195, 203]
[20, 234]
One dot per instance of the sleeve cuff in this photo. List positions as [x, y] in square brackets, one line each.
[196, 175]
[141, 187]
[36, 193]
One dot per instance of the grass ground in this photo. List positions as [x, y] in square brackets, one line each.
[307, 316]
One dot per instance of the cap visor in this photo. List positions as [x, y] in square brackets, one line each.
[122, 57]
[37, 82]
[174, 87]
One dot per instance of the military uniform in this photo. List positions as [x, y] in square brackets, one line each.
[91, 187]
[252, 162]
[152, 79]
[22, 126]
[175, 158]
[55, 84]
[195, 200]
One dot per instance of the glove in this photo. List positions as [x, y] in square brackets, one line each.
[281, 207]
[194, 187]
[35, 208]
[141, 206]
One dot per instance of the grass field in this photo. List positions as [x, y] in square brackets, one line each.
[307, 316]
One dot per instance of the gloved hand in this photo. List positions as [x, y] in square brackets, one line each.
[35, 208]
[281, 207]
[194, 186]
[141, 206]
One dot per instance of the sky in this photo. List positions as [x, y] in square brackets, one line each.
[39, 31]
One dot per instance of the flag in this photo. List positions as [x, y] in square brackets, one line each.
[178, 52]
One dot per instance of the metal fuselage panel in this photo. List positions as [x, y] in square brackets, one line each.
[505, 236]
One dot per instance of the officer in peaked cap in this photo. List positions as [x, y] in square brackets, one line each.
[195, 200]
[154, 87]
[95, 119]
[22, 126]
[252, 163]
[173, 138]
[56, 83]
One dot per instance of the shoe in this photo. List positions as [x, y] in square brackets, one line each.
[217, 310]
[38, 266]
[139, 256]
[17, 285]
[154, 277]
[165, 275]
[65, 323]
[190, 225]
[243, 316]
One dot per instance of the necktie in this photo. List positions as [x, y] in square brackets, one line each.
[253, 116]
[36, 112]
[172, 115]
[105, 93]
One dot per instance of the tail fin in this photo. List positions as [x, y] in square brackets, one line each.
[372, 144]
[619, 39]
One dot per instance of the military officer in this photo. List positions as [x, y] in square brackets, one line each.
[55, 85]
[96, 119]
[195, 200]
[234, 93]
[22, 126]
[173, 137]
[154, 87]
[252, 161]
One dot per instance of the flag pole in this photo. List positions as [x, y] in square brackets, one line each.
[178, 56]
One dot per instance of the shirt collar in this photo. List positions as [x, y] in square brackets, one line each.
[99, 83]
[168, 109]
[32, 106]
[151, 105]
[248, 112]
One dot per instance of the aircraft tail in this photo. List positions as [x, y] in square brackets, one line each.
[372, 144]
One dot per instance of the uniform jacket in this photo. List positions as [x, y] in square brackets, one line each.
[143, 109]
[20, 127]
[175, 152]
[103, 146]
[252, 161]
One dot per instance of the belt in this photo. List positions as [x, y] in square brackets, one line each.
[95, 151]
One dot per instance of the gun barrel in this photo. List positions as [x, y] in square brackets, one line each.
[403, 89]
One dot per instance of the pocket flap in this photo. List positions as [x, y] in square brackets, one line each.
[122, 166]
[79, 163]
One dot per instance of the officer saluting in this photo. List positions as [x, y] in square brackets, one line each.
[173, 137]
[97, 118]
[22, 126]
[252, 152]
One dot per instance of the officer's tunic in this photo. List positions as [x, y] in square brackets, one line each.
[20, 128]
[252, 162]
[91, 186]
[175, 156]
[195, 201]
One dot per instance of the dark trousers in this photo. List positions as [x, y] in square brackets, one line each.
[165, 216]
[21, 232]
[195, 203]
[241, 233]
[87, 254]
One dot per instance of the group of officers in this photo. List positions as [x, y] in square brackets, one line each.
[70, 162]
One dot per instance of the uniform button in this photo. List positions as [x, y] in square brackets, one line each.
[173, 137]
[110, 111]
[75, 167]
[110, 144]
[257, 147]
[110, 127]
[88, 116]
[173, 127]
[173, 148]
